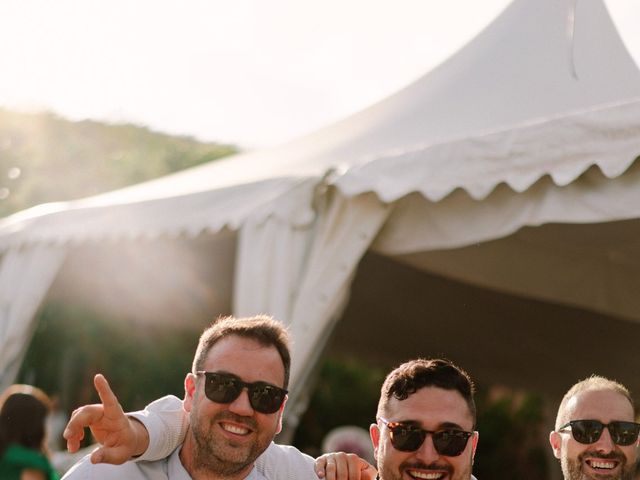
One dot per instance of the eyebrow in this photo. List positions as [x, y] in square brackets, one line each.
[441, 426]
[450, 425]
[224, 372]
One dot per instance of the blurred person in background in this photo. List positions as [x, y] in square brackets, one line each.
[23, 454]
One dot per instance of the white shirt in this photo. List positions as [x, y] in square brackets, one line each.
[167, 422]
[168, 468]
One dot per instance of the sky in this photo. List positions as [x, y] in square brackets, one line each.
[255, 73]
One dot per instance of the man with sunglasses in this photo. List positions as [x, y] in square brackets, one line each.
[425, 425]
[595, 436]
[425, 422]
[234, 398]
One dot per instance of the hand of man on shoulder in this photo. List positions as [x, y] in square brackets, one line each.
[344, 466]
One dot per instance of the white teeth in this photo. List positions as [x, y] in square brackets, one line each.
[426, 475]
[597, 464]
[235, 429]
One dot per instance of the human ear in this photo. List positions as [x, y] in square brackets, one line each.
[280, 414]
[555, 439]
[474, 444]
[374, 433]
[189, 391]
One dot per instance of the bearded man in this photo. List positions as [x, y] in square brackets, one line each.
[595, 436]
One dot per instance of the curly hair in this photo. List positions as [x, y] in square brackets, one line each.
[411, 376]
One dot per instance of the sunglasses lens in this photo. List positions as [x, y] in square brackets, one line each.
[450, 443]
[624, 433]
[225, 388]
[265, 398]
[221, 388]
[586, 431]
[406, 438]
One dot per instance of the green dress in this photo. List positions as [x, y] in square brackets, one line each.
[17, 458]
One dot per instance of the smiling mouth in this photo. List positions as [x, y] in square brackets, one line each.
[235, 429]
[602, 464]
[421, 474]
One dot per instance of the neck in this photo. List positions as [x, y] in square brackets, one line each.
[198, 471]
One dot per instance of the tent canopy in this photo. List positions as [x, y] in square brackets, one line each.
[456, 127]
[533, 123]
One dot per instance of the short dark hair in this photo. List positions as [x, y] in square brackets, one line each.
[411, 376]
[23, 412]
[261, 328]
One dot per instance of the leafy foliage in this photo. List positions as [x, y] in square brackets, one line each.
[510, 428]
[346, 394]
[62, 160]
[71, 345]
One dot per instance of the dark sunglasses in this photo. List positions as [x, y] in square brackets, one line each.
[589, 431]
[408, 438]
[225, 388]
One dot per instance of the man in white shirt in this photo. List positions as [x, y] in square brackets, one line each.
[234, 398]
[425, 426]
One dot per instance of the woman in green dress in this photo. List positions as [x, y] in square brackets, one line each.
[23, 411]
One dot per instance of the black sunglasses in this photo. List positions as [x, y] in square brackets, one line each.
[225, 388]
[408, 438]
[589, 431]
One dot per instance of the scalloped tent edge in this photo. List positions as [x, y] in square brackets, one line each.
[499, 139]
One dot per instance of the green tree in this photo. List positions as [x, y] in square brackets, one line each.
[45, 158]
[71, 345]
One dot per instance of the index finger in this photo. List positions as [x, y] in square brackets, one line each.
[107, 397]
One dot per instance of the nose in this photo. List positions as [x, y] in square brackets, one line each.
[241, 405]
[427, 452]
[605, 442]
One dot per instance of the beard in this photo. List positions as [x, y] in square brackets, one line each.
[387, 473]
[216, 454]
[572, 469]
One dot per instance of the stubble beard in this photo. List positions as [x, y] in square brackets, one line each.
[572, 469]
[215, 454]
[387, 473]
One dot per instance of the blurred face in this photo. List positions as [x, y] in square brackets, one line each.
[227, 438]
[434, 409]
[602, 459]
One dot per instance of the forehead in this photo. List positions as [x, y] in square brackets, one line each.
[246, 358]
[432, 407]
[603, 405]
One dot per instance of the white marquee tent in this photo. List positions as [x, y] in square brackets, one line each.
[501, 185]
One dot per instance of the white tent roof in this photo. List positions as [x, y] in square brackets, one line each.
[501, 136]
[453, 128]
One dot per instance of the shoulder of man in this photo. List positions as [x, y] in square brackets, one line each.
[85, 470]
[283, 462]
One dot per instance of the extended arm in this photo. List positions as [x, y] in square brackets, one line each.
[153, 433]
[166, 423]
